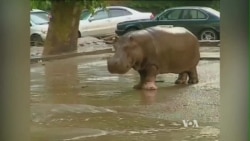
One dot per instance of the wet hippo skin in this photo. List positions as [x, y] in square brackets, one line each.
[157, 50]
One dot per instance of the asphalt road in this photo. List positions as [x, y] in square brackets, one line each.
[78, 99]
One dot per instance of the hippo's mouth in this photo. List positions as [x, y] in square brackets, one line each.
[118, 67]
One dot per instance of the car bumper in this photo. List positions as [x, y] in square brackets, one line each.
[43, 36]
[119, 32]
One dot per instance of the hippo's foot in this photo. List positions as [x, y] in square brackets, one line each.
[180, 81]
[149, 86]
[182, 78]
[193, 81]
[138, 86]
[193, 76]
[146, 86]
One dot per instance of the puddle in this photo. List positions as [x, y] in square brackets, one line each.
[77, 99]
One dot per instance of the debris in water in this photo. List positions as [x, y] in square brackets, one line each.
[84, 86]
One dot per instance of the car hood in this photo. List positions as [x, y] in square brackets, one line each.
[136, 21]
[84, 21]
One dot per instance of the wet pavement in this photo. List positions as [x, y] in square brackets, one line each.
[78, 99]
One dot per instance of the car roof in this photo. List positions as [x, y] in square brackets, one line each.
[123, 7]
[37, 10]
[189, 7]
[117, 7]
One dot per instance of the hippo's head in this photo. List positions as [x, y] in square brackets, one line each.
[128, 54]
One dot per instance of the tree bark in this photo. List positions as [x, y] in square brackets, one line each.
[63, 28]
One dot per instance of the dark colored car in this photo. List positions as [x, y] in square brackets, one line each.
[204, 22]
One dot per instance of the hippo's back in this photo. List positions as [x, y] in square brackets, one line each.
[173, 30]
[177, 49]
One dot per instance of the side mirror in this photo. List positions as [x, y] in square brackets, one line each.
[91, 19]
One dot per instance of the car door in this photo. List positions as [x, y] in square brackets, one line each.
[194, 20]
[170, 18]
[191, 19]
[96, 25]
[118, 15]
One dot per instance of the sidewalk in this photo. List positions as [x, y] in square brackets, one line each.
[93, 46]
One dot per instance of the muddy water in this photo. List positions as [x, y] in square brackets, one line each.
[77, 99]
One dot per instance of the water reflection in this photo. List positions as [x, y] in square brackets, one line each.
[62, 82]
[148, 97]
[80, 100]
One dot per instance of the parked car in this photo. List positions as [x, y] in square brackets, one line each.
[41, 13]
[103, 22]
[204, 22]
[38, 26]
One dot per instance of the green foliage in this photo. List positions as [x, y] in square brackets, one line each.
[154, 6]
[40, 4]
[92, 4]
[85, 4]
[157, 6]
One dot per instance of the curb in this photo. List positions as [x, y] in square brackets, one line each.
[215, 43]
[68, 55]
[210, 58]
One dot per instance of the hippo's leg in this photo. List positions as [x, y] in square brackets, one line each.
[193, 76]
[147, 79]
[182, 78]
[149, 82]
[142, 79]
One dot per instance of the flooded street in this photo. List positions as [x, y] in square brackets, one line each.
[77, 99]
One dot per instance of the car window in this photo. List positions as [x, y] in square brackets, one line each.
[193, 14]
[174, 14]
[201, 15]
[102, 14]
[170, 15]
[213, 11]
[38, 20]
[118, 12]
[42, 15]
[85, 14]
[186, 15]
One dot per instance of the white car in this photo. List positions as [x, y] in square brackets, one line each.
[38, 26]
[104, 21]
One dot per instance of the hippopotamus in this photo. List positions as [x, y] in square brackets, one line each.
[157, 50]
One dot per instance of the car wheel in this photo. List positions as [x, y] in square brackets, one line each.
[79, 34]
[36, 40]
[208, 34]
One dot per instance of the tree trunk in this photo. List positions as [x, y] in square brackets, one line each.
[63, 28]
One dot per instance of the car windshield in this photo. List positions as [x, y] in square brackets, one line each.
[215, 12]
[44, 15]
[85, 14]
[38, 19]
[158, 15]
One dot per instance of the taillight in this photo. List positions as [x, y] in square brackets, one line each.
[152, 16]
